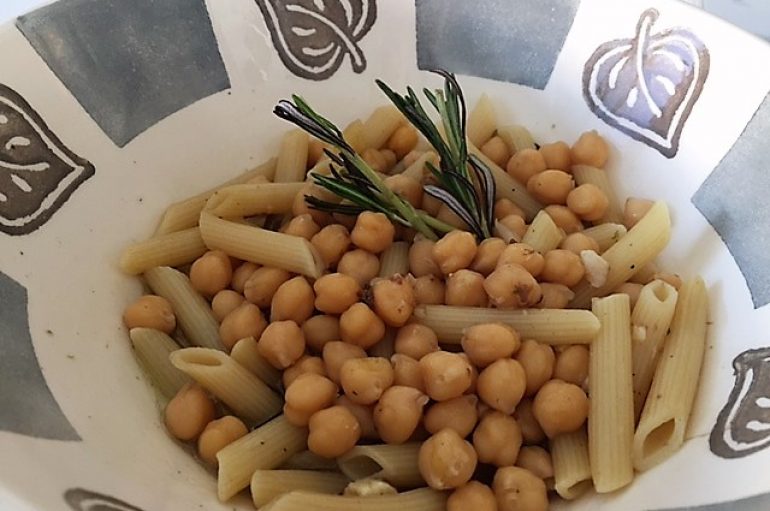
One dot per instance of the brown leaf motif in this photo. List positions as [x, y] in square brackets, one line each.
[80, 499]
[312, 37]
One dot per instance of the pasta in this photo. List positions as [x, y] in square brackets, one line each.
[152, 348]
[423, 499]
[516, 137]
[269, 484]
[245, 352]
[292, 158]
[378, 128]
[543, 234]
[482, 121]
[355, 135]
[306, 460]
[606, 234]
[585, 174]
[395, 260]
[173, 249]
[253, 199]
[396, 464]
[417, 170]
[571, 464]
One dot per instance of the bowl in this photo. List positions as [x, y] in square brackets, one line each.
[110, 111]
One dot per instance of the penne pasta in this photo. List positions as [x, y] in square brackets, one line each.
[551, 326]
[611, 416]
[395, 260]
[172, 249]
[152, 348]
[650, 320]
[253, 199]
[516, 137]
[245, 352]
[585, 174]
[248, 396]
[378, 128]
[292, 157]
[261, 246]
[666, 413]
[571, 464]
[606, 234]
[418, 170]
[306, 460]
[396, 464]
[543, 234]
[266, 485]
[424, 499]
[634, 250]
[193, 313]
[265, 448]
[482, 121]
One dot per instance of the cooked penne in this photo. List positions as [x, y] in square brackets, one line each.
[395, 260]
[265, 448]
[246, 354]
[354, 135]
[261, 246]
[571, 464]
[172, 249]
[606, 234]
[611, 417]
[193, 313]
[585, 174]
[152, 348]
[423, 499]
[253, 199]
[516, 137]
[292, 157]
[396, 464]
[269, 484]
[306, 460]
[650, 320]
[551, 326]
[482, 121]
[664, 418]
[640, 246]
[378, 128]
[248, 396]
[543, 234]
[418, 170]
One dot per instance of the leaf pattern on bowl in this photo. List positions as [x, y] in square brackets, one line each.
[312, 37]
[80, 499]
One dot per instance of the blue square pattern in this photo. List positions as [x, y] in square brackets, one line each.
[130, 63]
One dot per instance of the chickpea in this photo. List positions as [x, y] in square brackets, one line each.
[538, 361]
[577, 242]
[411, 157]
[523, 255]
[332, 432]
[446, 461]
[282, 343]
[188, 412]
[217, 435]
[445, 375]
[331, 242]
[515, 224]
[398, 413]
[293, 300]
[305, 364]
[406, 187]
[572, 365]
[487, 255]
[365, 379]
[361, 265]
[393, 299]
[296, 417]
[555, 296]
[263, 284]
[560, 407]
[557, 156]
[564, 218]
[454, 251]
[363, 414]
[211, 273]
[588, 201]
[319, 330]
[465, 287]
[488, 342]
[458, 414]
[671, 279]
[310, 392]
[473, 496]
[407, 372]
[632, 289]
[430, 205]
[505, 207]
[402, 141]
[429, 290]
[335, 293]
[225, 302]
[336, 353]
[530, 428]
[497, 439]
[524, 164]
[563, 267]
[537, 460]
[241, 275]
[359, 325]
[474, 374]
[415, 341]
[590, 149]
[150, 311]
[518, 489]
[245, 321]
[301, 207]
[303, 226]
[551, 186]
[512, 286]
[376, 160]
[501, 384]
[448, 216]
[315, 151]
[496, 150]
[390, 159]
[373, 232]
[421, 260]
[634, 210]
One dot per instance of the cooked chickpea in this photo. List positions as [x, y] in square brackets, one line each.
[537, 360]
[421, 260]
[496, 150]
[225, 302]
[393, 299]
[407, 372]
[306, 364]
[331, 242]
[531, 431]
[560, 407]
[501, 384]
[211, 273]
[301, 207]
[282, 343]
[590, 149]
[415, 341]
[515, 224]
[293, 300]
[445, 375]
[319, 330]
[562, 267]
[487, 255]
[572, 365]
[310, 392]
[555, 296]
[474, 374]
[406, 187]
[303, 226]
[150, 311]
[577, 242]
[537, 460]
[373, 232]
[429, 290]
[363, 414]
[359, 325]
[473, 496]
[335, 293]
[188, 412]
[332, 432]
[296, 417]
[446, 461]
[361, 265]
[376, 160]
[632, 289]
[564, 218]
[315, 150]
[588, 201]
[458, 414]
[241, 275]
[512, 286]
[466, 288]
[390, 159]
[551, 186]
[263, 284]
[634, 210]
[497, 439]
[524, 164]
[398, 413]
[217, 435]
[431, 205]
[557, 156]
[448, 216]
[245, 321]
[505, 207]
[336, 353]
[454, 251]
[365, 379]
[411, 157]
[518, 489]
[488, 342]
[523, 255]
[402, 141]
